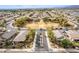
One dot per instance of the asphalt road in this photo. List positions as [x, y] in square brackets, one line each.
[41, 42]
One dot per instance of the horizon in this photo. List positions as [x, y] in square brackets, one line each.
[31, 6]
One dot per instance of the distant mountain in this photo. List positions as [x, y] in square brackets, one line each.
[31, 6]
[36, 6]
[72, 6]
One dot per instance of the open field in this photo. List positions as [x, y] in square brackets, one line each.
[41, 24]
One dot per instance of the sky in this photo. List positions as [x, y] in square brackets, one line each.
[30, 6]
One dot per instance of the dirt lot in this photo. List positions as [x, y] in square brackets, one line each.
[41, 24]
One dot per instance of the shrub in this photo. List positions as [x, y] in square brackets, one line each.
[66, 43]
[51, 36]
[30, 36]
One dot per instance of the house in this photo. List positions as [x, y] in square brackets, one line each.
[20, 39]
[58, 34]
[73, 35]
[8, 34]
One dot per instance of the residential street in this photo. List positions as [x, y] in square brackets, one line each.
[41, 42]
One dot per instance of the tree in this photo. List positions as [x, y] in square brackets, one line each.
[46, 19]
[67, 25]
[20, 21]
[66, 43]
[2, 23]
